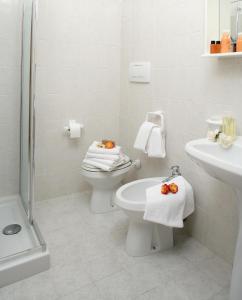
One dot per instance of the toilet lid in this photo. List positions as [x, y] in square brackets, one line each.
[89, 168]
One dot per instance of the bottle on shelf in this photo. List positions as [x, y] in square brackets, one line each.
[213, 47]
[218, 46]
[226, 42]
[239, 42]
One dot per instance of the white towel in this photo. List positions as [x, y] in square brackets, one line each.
[97, 165]
[143, 136]
[95, 149]
[156, 144]
[111, 157]
[106, 165]
[171, 209]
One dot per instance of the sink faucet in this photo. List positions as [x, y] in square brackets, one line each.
[175, 171]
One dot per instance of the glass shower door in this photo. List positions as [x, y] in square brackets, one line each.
[27, 121]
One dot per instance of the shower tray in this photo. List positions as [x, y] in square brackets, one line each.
[22, 254]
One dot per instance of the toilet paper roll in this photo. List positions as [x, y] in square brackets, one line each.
[75, 129]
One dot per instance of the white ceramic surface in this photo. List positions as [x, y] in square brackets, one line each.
[225, 165]
[21, 255]
[104, 186]
[143, 237]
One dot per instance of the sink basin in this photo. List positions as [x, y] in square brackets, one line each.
[224, 165]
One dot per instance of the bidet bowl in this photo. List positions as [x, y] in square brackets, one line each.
[132, 196]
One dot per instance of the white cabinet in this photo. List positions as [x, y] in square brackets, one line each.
[221, 15]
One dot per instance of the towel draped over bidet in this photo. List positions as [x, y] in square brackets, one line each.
[171, 209]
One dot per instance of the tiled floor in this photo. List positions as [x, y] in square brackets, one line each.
[89, 261]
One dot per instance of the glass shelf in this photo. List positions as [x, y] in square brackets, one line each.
[223, 55]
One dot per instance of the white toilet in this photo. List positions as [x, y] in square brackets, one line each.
[143, 237]
[104, 185]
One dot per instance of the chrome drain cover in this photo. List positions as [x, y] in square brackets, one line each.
[12, 229]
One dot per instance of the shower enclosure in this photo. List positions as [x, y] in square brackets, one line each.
[23, 251]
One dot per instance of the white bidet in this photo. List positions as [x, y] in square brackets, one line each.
[143, 237]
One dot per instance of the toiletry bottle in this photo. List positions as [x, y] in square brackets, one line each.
[213, 47]
[218, 46]
[226, 43]
[239, 42]
[229, 126]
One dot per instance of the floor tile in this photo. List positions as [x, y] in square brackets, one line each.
[165, 260]
[193, 250]
[89, 292]
[37, 287]
[146, 276]
[168, 292]
[119, 286]
[216, 269]
[194, 283]
[70, 277]
[89, 261]
[103, 266]
[222, 295]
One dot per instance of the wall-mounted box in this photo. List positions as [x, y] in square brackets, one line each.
[221, 15]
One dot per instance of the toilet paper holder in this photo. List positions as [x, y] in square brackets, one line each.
[67, 129]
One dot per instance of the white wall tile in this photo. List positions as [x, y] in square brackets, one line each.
[78, 77]
[10, 60]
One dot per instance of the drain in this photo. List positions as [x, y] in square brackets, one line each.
[12, 229]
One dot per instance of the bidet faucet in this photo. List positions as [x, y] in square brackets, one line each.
[175, 171]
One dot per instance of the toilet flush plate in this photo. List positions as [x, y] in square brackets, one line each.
[140, 72]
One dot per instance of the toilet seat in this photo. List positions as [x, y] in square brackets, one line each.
[92, 169]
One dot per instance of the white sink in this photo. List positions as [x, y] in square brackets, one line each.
[225, 165]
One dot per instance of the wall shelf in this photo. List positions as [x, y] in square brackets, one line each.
[223, 55]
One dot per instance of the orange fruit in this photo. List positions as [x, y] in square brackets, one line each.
[173, 188]
[165, 189]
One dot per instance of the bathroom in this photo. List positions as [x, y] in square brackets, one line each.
[63, 60]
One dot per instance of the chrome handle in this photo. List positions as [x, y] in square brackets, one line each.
[175, 171]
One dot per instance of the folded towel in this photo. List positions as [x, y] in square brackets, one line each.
[156, 143]
[171, 209]
[111, 157]
[105, 162]
[106, 165]
[97, 165]
[143, 136]
[95, 149]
